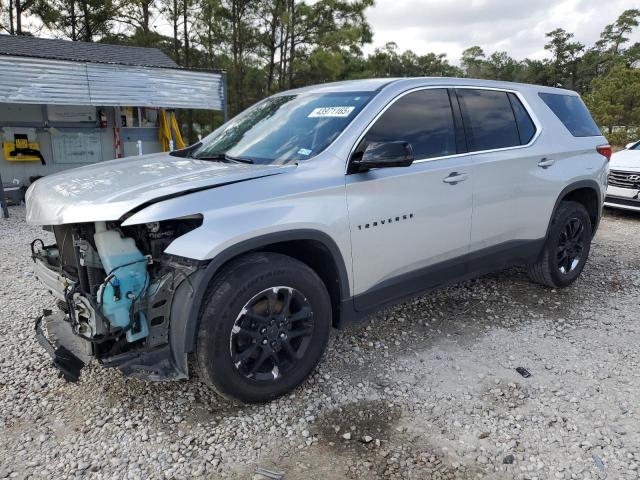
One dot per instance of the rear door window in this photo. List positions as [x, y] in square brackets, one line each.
[489, 119]
[422, 118]
[573, 113]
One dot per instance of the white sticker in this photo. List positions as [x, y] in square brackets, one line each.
[304, 151]
[331, 112]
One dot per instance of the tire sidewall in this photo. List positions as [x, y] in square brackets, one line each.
[229, 296]
[566, 212]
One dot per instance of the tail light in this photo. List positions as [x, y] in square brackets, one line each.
[605, 151]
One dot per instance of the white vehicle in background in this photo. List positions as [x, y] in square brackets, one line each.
[623, 190]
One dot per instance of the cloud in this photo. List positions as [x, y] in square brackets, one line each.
[515, 26]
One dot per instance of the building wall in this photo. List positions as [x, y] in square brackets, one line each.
[24, 116]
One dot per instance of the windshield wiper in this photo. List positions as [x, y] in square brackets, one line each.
[224, 157]
[238, 159]
[217, 156]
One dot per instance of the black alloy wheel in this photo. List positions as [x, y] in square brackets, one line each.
[566, 248]
[263, 328]
[271, 334]
[570, 245]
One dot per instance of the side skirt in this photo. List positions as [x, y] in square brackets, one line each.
[437, 276]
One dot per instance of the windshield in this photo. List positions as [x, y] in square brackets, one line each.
[285, 128]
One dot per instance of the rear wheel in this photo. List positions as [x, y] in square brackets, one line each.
[566, 249]
[264, 327]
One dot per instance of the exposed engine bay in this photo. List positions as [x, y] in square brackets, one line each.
[114, 287]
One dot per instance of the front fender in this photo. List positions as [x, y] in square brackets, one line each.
[189, 298]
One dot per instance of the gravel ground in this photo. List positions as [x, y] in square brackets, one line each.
[424, 390]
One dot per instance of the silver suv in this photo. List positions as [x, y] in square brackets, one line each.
[311, 209]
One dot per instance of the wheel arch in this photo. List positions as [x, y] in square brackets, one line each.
[312, 247]
[585, 192]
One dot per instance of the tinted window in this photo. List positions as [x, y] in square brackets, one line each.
[422, 118]
[526, 127]
[489, 119]
[572, 113]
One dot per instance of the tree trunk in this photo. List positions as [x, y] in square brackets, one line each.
[282, 67]
[18, 18]
[176, 46]
[87, 34]
[185, 29]
[73, 20]
[272, 47]
[293, 43]
[235, 47]
[145, 16]
[11, 29]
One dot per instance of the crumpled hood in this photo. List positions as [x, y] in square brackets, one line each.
[625, 159]
[108, 190]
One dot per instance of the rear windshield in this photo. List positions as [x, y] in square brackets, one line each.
[572, 113]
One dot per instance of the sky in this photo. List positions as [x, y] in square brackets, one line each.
[514, 26]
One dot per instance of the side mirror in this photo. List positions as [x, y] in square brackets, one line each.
[629, 145]
[386, 154]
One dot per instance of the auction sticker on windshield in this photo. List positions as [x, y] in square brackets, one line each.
[331, 112]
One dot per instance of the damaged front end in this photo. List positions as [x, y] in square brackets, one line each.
[115, 289]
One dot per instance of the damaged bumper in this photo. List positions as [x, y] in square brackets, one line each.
[65, 349]
[159, 356]
[70, 353]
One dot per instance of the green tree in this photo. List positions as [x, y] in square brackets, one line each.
[472, 62]
[500, 66]
[13, 13]
[138, 16]
[86, 20]
[615, 99]
[565, 57]
[616, 34]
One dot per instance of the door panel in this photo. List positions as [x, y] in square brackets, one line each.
[512, 197]
[512, 183]
[404, 220]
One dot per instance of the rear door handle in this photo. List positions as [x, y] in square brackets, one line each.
[546, 162]
[455, 177]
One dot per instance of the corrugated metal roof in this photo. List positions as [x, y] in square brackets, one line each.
[146, 87]
[25, 46]
[54, 82]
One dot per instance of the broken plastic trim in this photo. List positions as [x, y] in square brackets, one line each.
[67, 363]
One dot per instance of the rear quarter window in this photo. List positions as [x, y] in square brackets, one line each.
[526, 127]
[573, 113]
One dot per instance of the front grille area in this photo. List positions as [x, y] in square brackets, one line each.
[624, 179]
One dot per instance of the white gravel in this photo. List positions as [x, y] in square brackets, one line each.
[425, 390]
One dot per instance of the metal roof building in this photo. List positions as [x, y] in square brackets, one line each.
[64, 104]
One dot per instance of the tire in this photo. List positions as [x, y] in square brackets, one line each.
[569, 235]
[251, 304]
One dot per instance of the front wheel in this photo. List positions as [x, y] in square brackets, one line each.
[263, 328]
[566, 248]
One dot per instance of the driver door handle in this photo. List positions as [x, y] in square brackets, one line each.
[546, 162]
[455, 177]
